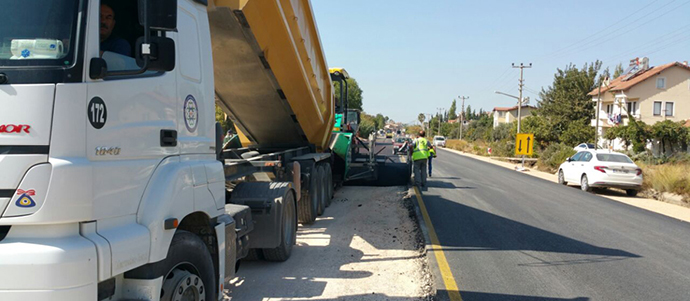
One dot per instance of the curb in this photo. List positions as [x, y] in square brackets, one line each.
[433, 264]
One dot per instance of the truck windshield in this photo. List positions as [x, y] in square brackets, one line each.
[38, 33]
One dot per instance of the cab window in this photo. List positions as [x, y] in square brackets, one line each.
[119, 29]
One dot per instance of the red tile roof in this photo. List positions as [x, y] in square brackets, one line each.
[512, 108]
[619, 85]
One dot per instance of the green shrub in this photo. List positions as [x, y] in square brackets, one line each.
[553, 155]
[503, 148]
[673, 178]
[504, 131]
[455, 144]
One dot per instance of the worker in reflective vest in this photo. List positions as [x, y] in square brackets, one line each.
[420, 154]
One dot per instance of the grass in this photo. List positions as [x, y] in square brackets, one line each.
[673, 178]
[477, 147]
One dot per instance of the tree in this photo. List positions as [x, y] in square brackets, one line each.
[669, 132]
[566, 106]
[367, 125]
[468, 113]
[636, 133]
[354, 94]
[421, 117]
[379, 121]
[413, 129]
[618, 72]
[539, 126]
[226, 123]
[451, 111]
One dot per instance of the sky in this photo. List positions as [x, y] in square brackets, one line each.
[412, 57]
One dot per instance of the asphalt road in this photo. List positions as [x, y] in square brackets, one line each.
[510, 236]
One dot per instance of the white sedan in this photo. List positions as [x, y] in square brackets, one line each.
[583, 146]
[601, 169]
[440, 141]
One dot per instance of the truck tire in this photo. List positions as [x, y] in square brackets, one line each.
[329, 185]
[190, 272]
[308, 205]
[321, 177]
[288, 231]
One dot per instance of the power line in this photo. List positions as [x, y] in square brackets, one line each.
[611, 35]
[669, 45]
[600, 31]
[604, 38]
[671, 35]
[497, 79]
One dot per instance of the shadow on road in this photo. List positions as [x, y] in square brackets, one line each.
[436, 184]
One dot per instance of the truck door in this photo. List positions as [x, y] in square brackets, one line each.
[128, 117]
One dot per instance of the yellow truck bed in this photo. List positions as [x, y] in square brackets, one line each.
[270, 71]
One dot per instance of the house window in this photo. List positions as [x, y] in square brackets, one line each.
[632, 107]
[609, 109]
[669, 109]
[661, 83]
[501, 114]
[657, 108]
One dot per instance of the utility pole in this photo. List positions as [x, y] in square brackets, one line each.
[596, 131]
[440, 116]
[462, 113]
[521, 101]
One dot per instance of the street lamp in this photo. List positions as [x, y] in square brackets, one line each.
[520, 104]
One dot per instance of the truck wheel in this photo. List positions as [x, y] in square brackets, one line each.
[288, 229]
[321, 176]
[190, 275]
[329, 186]
[309, 203]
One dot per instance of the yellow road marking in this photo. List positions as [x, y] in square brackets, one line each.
[446, 273]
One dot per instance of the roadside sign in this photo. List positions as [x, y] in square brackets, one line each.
[524, 144]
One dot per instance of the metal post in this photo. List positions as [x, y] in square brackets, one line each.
[596, 128]
[462, 113]
[520, 101]
[440, 116]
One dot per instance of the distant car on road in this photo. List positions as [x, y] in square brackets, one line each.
[584, 146]
[601, 169]
[399, 143]
[440, 141]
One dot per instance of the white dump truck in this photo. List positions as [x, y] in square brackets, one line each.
[114, 184]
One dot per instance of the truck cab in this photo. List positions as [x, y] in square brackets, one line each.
[106, 154]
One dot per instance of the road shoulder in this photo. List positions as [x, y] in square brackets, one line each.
[367, 246]
[667, 209]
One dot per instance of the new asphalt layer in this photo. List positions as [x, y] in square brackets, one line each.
[509, 236]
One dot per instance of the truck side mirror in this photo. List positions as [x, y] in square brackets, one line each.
[162, 14]
[98, 68]
[161, 54]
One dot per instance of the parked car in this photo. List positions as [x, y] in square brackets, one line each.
[584, 146]
[400, 145]
[440, 141]
[601, 169]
